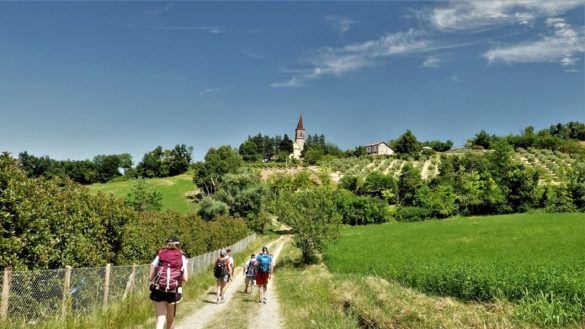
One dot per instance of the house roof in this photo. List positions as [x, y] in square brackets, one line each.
[377, 143]
[300, 124]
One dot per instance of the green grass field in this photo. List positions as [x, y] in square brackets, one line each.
[533, 260]
[173, 190]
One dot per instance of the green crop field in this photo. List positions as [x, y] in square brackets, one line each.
[173, 190]
[534, 260]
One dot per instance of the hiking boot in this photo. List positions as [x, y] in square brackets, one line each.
[264, 301]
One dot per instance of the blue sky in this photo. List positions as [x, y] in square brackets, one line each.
[79, 79]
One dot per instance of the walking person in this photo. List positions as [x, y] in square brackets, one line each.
[232, 264]
[263, 273]
[167, 273]
[250, 273]
[221, 272]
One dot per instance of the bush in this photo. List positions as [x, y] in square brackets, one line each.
[361, 210]
[412, 214]
[210, 208]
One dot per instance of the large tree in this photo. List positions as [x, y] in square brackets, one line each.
[218, 162]
[407, 143]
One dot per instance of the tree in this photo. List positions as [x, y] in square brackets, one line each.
[314, 218]
[440, 202]
[179, 159]
[407, 143]
[210, 208]
[483, 139]
[408, 182]
[218, 162]
[153, 164]
[576, 185]
[249, 151]
[141, 198]
[246, 197]
[286, 145]
[376, 183]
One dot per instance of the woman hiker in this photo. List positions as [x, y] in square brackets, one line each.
[167, 273]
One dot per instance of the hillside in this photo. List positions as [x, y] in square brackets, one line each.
[173, 189]
[552, 165]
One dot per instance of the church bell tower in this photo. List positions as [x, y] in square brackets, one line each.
[300, 134]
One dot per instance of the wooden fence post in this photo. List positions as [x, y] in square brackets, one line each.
[5, 292]
[130, 283]
[66, 287]
[107, 283]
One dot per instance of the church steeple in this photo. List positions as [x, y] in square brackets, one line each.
[300, 134]
[300, 124]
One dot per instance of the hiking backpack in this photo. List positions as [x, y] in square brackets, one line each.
[220, 269]
[250, 270]
[264, 262]
[169, 272]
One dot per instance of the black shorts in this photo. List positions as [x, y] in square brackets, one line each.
[169, 297]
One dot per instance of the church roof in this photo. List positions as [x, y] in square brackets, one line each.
[300, 125]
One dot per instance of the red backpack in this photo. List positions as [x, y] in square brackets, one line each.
[169, 272]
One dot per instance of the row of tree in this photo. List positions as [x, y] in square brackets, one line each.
[50, 223]
[103, 168]
[265, 148]
[562, 137]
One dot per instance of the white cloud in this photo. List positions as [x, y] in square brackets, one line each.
[210, 90]
[337, 61]
[210, 29]
[454, 78]
[475, 14]
[561, 45]
[340, 24]
[431, 62]
[251, 54]
[161, 10]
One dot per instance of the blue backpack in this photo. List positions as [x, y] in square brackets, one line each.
[264, 262]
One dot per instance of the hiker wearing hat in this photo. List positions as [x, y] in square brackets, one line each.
[263, 273]
[168, 271]
[221, 272]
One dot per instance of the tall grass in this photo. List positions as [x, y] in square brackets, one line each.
[317, 298]
[535, 260]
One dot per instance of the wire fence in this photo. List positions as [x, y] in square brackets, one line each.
[32, 296]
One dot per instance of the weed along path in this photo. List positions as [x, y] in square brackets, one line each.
[211, 312]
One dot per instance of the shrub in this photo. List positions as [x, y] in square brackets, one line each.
[210, 208]
[412, 214]
[361, 210]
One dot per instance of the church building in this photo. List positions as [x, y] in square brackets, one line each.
[299, 143]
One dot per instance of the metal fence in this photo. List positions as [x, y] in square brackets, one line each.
[40, 294]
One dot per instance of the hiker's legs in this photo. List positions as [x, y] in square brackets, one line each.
[171, 316]
[160, 309]
[218, 283]
[261, 290]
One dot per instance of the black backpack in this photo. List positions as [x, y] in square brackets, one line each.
[220, 268]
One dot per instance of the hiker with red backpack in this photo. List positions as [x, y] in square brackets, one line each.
[221, 272]
[263, 273]
[168, 271]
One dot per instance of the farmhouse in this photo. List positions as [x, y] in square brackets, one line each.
[379, 148]
[299, 143]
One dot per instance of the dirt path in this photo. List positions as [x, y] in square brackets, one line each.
[210, 310]
[269, 314]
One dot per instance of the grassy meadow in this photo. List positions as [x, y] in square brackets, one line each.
[533, 260]
[173, 190]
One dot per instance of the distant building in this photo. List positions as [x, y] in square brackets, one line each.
[379, 148]
[299, 143]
